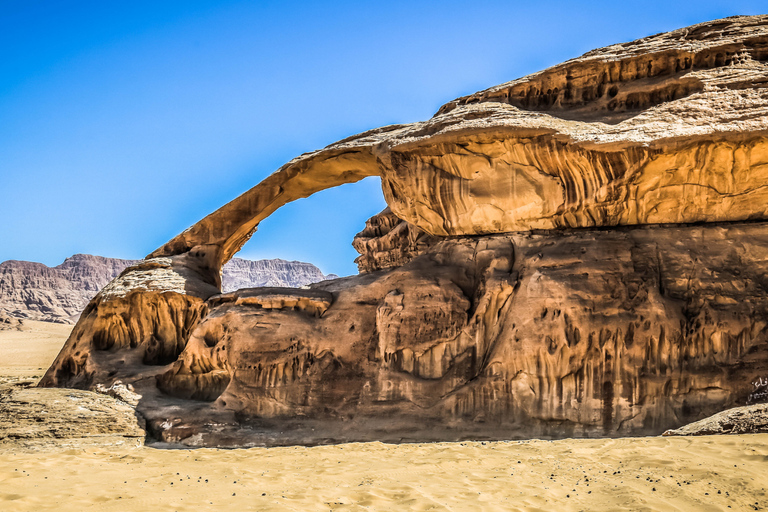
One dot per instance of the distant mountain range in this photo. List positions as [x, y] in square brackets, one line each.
[59, 294]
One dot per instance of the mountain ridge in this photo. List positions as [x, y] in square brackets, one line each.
[35, 291]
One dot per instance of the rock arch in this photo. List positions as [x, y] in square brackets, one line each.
[510, 323]
[218, 236]
[614, 137]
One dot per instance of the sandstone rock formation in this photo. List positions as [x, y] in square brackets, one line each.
[60, 293]
[579, 252]
[750, 419]
[670, 128]
[389, 242]
[29, 415]
[8, 323]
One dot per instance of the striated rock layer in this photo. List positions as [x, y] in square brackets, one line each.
[670, 128]
[580, 252]
[29, 416]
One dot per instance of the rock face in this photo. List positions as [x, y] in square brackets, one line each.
[388, 242]
[60, 293]
[239, 273]
[29, 415]
[580, 252]
[55, 294]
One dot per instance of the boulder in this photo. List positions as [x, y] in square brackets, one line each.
[32, 416]
[749, 419]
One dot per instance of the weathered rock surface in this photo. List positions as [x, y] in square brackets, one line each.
[670, 128]
[58, 294]
[388, 242]
[575, 333]
[8, 323]
[29, 415]
[580, 252]
[750, 419]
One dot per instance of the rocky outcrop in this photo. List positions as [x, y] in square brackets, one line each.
[30, 415]
[388, 242]
[587, 332]
[579, 252]
[750, 419]
[670, 128]
[8, 323]
[58, 294]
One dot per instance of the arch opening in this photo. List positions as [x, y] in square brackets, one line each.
[318, 229]
[216, 238]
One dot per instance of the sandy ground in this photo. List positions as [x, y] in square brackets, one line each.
[30, 351]
[701, 473]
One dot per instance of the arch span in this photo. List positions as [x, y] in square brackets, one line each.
[221, 234]
[648, 132]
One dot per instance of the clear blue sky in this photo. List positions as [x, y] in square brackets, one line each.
[124, 122]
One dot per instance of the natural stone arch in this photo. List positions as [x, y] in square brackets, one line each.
[218, 236]
[557, 333]
[612, 138]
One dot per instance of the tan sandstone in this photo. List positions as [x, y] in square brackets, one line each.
[579, 252]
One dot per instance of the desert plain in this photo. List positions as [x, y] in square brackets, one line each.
[580, 252]
[113, 473]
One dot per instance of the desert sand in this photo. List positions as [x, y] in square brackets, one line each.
[29, 350]
[654, 473]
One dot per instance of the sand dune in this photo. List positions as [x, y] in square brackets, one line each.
[699, 473]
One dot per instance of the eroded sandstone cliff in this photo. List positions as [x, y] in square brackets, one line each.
[579, 252]
[670, 128]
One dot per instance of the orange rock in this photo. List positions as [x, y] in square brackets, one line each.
[579, 252]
